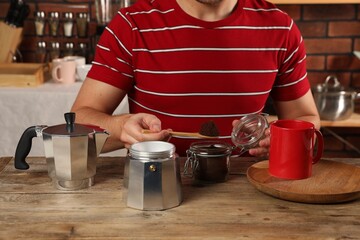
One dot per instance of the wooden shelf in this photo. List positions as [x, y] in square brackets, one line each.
[315, 1]
[353, 121]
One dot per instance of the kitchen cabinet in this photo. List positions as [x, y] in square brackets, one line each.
[315, 1]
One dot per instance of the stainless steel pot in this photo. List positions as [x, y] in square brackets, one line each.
[152, 178]
[333, 101]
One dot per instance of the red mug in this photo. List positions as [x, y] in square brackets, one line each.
[292, 145]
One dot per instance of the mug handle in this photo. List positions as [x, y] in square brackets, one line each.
[55, 73]
[320, 145]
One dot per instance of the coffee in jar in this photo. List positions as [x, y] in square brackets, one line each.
[209, 161]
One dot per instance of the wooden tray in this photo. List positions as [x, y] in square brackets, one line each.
[22, 74]
[331, 182]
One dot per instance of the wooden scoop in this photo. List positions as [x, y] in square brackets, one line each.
[184, 134]
[208, 130]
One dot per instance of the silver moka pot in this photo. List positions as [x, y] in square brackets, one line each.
[71, 151]
[152, 178]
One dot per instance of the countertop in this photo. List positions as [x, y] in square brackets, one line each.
[352, 121]
[31, 208]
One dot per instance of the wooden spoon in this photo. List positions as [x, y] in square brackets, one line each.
[184, 134]
[208, 130]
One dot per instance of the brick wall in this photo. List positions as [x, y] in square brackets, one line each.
[331, 34]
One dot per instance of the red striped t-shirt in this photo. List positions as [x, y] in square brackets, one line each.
[187, 71]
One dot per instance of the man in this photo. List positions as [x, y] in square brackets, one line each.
[186, 62]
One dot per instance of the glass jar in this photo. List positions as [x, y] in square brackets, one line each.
[69, 49]
[54, 50]
[82, 24]
[54, 23]
[41, 53]
[124, 3]
[68, 24]
[104, 11]
[208, 161]
[39, 23]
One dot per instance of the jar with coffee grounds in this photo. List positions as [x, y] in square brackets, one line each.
[208, 161]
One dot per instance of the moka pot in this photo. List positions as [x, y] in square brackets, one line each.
[71, 151]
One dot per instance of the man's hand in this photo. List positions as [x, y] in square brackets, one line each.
[262, 150]
[132, 130]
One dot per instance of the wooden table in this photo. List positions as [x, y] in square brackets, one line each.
[30, 208]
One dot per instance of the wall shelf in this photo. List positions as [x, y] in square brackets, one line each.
[315, 1]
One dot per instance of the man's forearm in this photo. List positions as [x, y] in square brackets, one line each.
[111, 123]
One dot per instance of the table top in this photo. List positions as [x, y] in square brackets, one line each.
[353, 121]
[31, 208]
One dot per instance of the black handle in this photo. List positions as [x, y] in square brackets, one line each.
[9, 19]
[24, 11]
[23, 148]
[70, 120]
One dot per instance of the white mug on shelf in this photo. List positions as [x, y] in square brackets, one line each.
[79, 60]
[64, 71]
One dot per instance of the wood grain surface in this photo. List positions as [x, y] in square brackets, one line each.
[353, 121]
[331, 182]
[31, 208]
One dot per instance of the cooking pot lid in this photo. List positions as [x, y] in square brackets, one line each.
[331, 84]
[249, 130]
[64, 130]
[70, 129]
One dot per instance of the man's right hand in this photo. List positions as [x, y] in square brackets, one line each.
[133, 126]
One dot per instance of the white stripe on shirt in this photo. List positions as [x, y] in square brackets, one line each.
[206, 49]
[202, 94]
[292, 83]
[152, 11]
[262, 9]
[169, 28]
[255, 27]
[193, 115]
[111, 68]
[206, 71]
[125, 19]
[118, 40]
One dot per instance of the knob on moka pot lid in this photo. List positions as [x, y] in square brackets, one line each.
[71, 129]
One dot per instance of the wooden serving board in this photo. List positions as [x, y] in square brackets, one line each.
[331, 182]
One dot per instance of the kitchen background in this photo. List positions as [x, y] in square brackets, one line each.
[331, 33]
